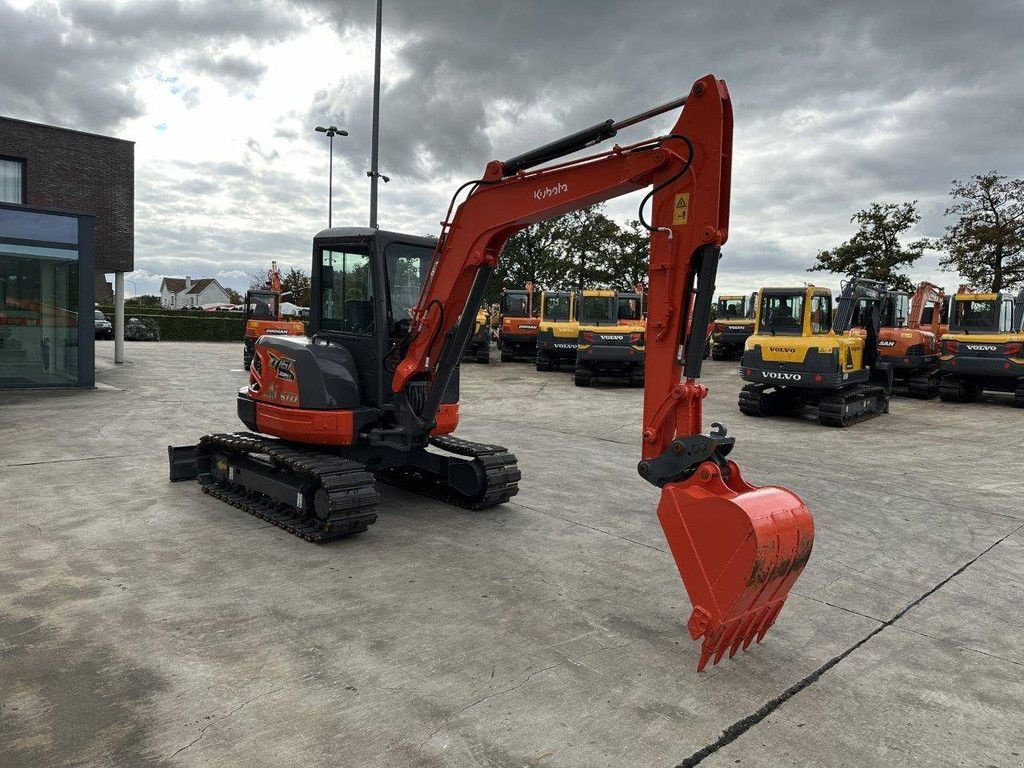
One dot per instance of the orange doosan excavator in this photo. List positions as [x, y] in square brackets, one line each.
[373, 394]
[263, 315]
[911, 345]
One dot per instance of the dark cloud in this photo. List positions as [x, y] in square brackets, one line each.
[71, 62]
[837, 104]
[233, 70]
[842, 102]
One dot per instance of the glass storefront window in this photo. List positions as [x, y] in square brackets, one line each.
[39, 316]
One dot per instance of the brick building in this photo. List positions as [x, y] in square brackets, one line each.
[67, 220]
[72, 170]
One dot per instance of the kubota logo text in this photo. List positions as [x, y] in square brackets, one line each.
[780, 376]
[543, 194]
[981, 347]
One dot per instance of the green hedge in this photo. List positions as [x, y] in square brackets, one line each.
[195, 326]
[186, 325]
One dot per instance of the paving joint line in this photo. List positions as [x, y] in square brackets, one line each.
[740, 727]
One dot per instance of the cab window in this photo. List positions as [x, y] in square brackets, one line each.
[821, 314]
[595, 310]
[347, 291]
[556, 308]
[782, 314]
[1006, 317]
[408, 267]
[629, 308]
[730, 309]
[972, 315]
[515, 304]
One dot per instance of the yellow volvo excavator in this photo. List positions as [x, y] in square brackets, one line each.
[984, 348]
[611, 338]
[799, 356]
[557, 330]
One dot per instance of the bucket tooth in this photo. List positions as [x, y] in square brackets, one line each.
[739, 549]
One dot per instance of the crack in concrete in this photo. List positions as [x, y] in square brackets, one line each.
[740, 727]
[202, 731]
[960, 645]
[68, 461]
[589, 527]
[833, 605]
[524, 681]
[485, 698]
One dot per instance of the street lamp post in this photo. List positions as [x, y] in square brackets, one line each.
[331, 132]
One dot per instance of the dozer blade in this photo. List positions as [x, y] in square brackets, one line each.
[739, 549]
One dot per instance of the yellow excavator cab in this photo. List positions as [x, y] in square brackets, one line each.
[557, 330]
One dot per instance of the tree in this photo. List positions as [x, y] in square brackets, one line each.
[573, 251]
[875, 252]
[298, 283]
[626, 262]
[234, 296]
[591, 239]
[146, 300]
[985, 242]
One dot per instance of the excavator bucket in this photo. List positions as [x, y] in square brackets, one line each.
[739, 549]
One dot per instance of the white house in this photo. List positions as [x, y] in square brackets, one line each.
[183, 292]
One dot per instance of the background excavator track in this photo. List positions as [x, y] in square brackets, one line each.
[852, 405]
[345, 500]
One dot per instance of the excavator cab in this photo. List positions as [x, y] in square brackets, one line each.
[734, 323]
[518, 332]
[557, 330]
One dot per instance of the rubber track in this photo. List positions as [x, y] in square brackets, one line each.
[500, 470]
[750, 400]
[954, 389]
[923, 386]
[754, 401]
[351, 496]
[831, 406]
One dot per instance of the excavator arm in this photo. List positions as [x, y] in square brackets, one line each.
[739, 548]
[926, 293]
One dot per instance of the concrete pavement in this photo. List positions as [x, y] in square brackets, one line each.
[143, 623]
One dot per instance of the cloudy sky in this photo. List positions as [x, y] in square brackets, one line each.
[837, 104]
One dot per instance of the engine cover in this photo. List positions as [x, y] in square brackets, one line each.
[295, 372]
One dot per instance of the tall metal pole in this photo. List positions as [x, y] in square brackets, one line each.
[376, 123]
[330, 181]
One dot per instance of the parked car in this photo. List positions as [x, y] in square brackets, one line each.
[144, 329]
[104, 330]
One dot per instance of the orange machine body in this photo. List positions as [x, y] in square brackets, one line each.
[275, 389]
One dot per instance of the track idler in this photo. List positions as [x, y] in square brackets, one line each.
[738, 547]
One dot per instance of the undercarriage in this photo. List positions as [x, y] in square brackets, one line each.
[320, 494]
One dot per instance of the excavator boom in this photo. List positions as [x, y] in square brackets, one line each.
[739, 548]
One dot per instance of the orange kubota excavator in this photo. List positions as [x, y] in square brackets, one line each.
[376, 387]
